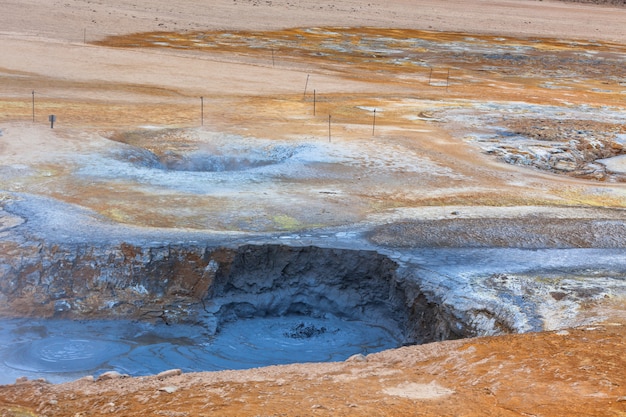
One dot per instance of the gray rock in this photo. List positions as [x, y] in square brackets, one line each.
[169, 373]
[111, 375]
[359, 357]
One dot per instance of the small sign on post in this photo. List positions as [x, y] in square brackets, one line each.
[52, 118]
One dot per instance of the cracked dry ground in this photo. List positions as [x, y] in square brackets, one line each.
[574, 372]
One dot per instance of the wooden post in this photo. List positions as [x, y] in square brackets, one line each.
[374, 123]
[329, 128]
[430, 77]
[33, 106]
[305, 86]
[201, 111]
[314, 102]
[448, 80]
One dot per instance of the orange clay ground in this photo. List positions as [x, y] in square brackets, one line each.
[386, 92]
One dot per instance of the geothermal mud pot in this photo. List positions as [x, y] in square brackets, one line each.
[142, 306]
[202, 308]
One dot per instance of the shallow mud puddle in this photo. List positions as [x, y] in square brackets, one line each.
[64, 350]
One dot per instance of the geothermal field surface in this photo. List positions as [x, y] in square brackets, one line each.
[340, 208]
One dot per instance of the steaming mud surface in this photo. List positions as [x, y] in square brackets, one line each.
[64, 350]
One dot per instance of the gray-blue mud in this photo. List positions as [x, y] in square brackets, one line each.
[64, 350]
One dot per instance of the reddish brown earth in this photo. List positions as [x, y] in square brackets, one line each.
[575, 372]
[97, 66]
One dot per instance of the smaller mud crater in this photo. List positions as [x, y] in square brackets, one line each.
[193, 151]
[212, 163]
[197, 161]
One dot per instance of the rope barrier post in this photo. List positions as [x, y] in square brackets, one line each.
[374, 123]
[305, 86]
[329, 128]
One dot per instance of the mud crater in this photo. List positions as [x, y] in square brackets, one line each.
[198, 161]
[287, 304]
[192, 151]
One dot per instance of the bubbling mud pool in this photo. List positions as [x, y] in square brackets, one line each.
[199, 308]
[65, 350]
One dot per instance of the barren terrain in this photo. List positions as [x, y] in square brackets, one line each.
[498, 124]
